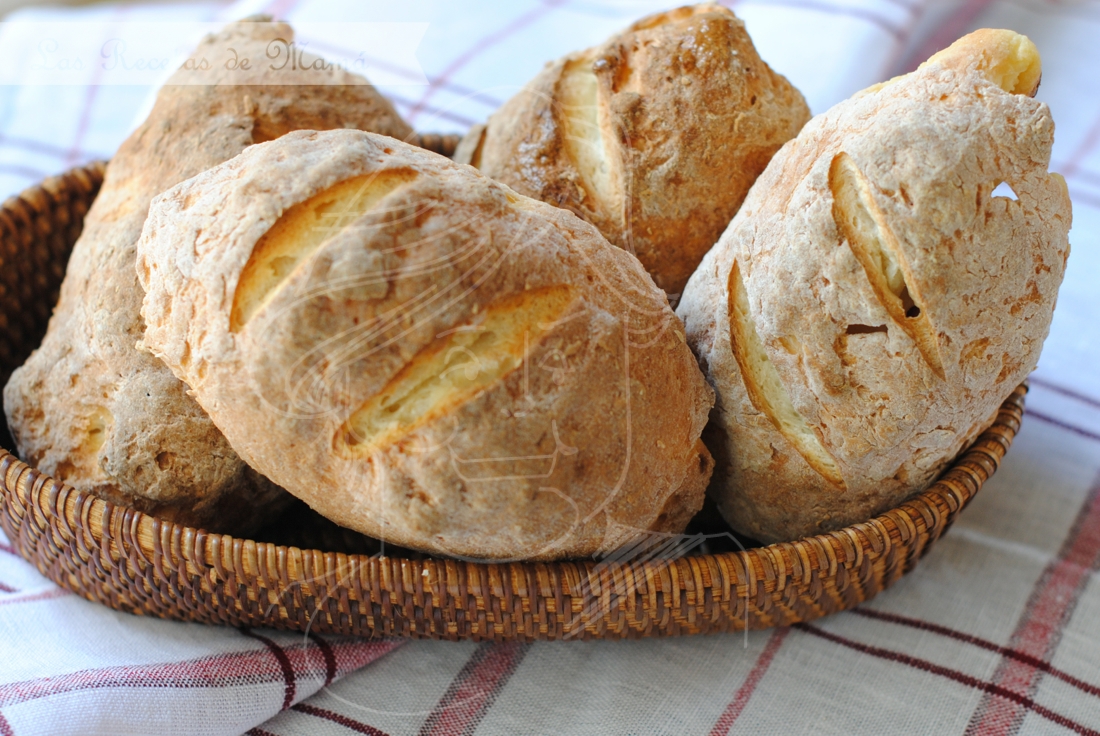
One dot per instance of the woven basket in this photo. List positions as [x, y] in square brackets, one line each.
[143, 565]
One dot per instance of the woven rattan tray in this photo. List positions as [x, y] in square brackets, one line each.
[136, 563]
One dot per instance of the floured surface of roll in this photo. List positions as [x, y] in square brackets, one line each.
[874, 302]
[654, 137]
[89, 408]
[423, 355]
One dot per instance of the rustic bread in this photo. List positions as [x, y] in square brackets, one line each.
[423, 355]
[654, 137]
[873, 302]
[90, 409]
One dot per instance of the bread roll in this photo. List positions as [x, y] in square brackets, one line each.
[90, 409]
[654, 137]
[873, 302]
[423, 355]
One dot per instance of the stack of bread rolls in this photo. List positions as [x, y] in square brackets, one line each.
[484, 362]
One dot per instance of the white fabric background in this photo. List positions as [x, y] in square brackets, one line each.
[1017, 573]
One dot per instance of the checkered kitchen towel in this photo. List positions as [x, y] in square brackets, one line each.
[996, 632]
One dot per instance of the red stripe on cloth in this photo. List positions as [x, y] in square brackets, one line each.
[916, 13]
[948, 32]
[1003, 694]
[330, 658]
[90, 94]
[1065, 391]
[977, 641]
[5, 727]
[347, 655]
[1076, 181]
[351, 654]
[32, 597]
[278, 9]
[1092, 137]
[830, 9]
[4, 587]
[220, 670]
[480, 46]
[1082, 175]
[914, 8]
[284, 664]
[349, 723]
[1062, 425]
[438, 112]
[1039, 629]
[24, 171]
[474, 690]
[9, 549]
[458, 89]
[1079, 197]
[258, 732]
[48, 149]
[744, 693]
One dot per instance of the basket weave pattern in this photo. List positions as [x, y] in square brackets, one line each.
[143, 565]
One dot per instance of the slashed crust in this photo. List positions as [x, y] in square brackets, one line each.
[453, 367]
[89, 408]
[913, 163]
[654, 137]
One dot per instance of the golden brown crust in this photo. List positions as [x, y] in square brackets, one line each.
[1008, 59]
[884, 200]
[90, 409]
[456, 368]
[654, 137]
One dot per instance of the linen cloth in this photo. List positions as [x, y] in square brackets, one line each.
[997, 631]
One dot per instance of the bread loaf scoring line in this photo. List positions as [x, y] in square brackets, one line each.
[589, 137]
[498, 335]
[350, 349]
[765, 388]
[313, 383]
[292, 238]
[863, 226]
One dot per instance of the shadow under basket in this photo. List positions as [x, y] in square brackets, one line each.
[136, 563]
